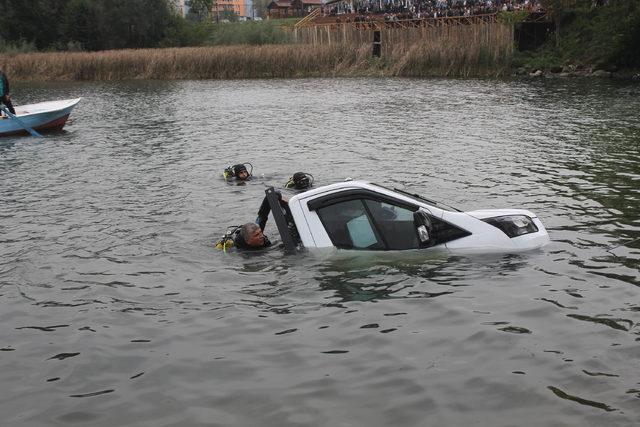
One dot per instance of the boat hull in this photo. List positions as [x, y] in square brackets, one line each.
[43, 117]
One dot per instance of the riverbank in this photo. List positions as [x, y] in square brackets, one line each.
[569, 71]
[267, 61]
[581, 47]
[286, 61]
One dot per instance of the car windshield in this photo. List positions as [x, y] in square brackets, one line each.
[420, 198]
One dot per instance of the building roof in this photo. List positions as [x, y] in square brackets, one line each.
[289, 3]
[279, 3]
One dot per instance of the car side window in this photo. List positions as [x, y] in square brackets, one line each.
[395, 224]
[349, 226]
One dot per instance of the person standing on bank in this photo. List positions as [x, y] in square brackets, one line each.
[5, 96]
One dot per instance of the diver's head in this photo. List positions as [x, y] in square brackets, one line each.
[300, 181]
[240, 171]
[250, 235]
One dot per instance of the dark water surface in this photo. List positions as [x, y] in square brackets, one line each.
[115, 309]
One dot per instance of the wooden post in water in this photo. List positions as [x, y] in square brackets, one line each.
[377, 44]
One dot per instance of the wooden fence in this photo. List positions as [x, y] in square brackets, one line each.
[398, 36]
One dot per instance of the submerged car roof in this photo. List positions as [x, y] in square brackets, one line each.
[332, 187]
[365, 186]
[400, 195]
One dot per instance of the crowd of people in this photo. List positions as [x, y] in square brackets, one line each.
[419, 9]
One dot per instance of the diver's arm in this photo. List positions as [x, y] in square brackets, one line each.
[265, 208]
[263, 214]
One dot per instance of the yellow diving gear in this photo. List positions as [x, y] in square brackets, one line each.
[226, 241]
[223, 244]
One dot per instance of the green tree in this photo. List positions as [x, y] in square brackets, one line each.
[260, 8]
[93, 24]
[626, 34]
[200, 9]
[31, 20]
[557, 9]
[81, 24]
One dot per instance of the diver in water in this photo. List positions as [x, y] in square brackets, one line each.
[250, 236]
[238, 172]
[244, 237]
[300, 181]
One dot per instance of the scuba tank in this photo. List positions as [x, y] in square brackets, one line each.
[227, 240]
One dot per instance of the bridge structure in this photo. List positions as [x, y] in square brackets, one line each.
[327, 29]
[384, 21]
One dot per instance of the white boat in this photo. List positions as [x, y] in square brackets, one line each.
[43, 117]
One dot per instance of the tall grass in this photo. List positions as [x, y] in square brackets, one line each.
[220, 62]
[465, 52]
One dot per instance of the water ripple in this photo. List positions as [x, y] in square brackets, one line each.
[106, 260]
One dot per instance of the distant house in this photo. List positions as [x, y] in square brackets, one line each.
[239, 7]
[181, 7]
[279, 9]
[292, 8]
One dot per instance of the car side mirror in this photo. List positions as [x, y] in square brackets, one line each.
[424, 228]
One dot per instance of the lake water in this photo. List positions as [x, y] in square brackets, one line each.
[116, 310]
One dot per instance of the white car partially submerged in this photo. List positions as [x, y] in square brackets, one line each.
[360, 215]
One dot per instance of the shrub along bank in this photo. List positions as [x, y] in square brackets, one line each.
[590, 37]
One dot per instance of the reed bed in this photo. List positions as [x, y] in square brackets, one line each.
[463, 51]
[459, 51]
[223, 62]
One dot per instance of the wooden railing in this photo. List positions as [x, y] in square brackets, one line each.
[308, 19]
[376, 22]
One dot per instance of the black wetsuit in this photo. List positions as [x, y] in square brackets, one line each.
[4, 93]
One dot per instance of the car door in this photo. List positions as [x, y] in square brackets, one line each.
[369, 224]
